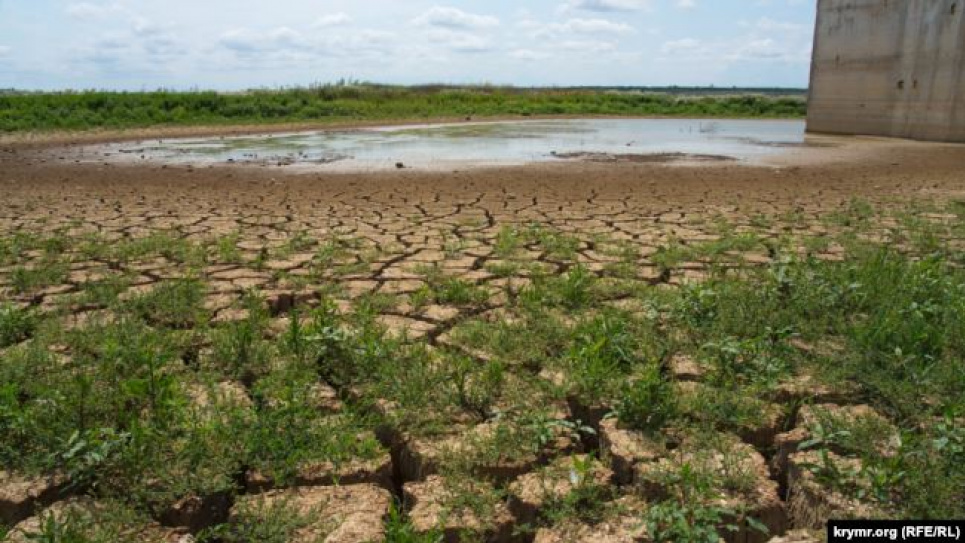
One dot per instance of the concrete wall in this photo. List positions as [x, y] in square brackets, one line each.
[889, 68]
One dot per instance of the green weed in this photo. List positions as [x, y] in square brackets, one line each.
[16, 324]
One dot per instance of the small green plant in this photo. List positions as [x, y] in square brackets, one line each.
[504, 269]
[262, 522]
[240, 351]
[743, 362]
[172, 304]
[68, 528]
[398, 529]
[29, 279]
[300, 241]
[443, 289]
[226, 248]
[685, 522]
[689, 512]
[830, 473]
[103, 292]
[557, 245]
[86, 454]
[668, 257]
[603, 352]
[648, 402]
[16, 324]
[544, 429]
[508, 241]
[476, 385]
[587, 499]
[575, 287]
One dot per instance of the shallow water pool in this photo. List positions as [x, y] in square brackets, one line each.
[479, 143]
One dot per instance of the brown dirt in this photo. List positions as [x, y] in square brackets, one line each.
[409, 219]
[643, 157]
[337, 514]
[20, 497]
[409, 216]
[431, 504]
[87, 509]
[608, 196]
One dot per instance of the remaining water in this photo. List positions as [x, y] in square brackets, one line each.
[477, 143]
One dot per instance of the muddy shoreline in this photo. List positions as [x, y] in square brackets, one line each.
[34, 140]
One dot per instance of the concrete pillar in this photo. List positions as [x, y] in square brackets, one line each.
[889, 68]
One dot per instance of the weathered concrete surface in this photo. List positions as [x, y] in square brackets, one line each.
[889, 68]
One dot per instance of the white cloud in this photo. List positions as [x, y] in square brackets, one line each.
[144, 27]
[608, 5]
[460, 42]
[770, 25]
[136, 46]
[163, 45]
[577, 26]
[191, 42]
[587, 46]
[675, 47]
[371, 37]
[529, 55]
[765, 48]
[333, 19]
[448, 17]
[747, 48]
[365, 42]
[245, 41]
[87, 11]
[285, 44]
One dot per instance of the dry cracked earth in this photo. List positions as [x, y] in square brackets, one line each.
[393, 224]
[291, 236]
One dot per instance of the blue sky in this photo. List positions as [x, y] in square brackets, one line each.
[238, 44]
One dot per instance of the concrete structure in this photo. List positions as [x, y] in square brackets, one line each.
[889, 68]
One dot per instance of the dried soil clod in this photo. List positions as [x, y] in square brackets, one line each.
[805, 388]
[685, 368]
[89, 510]
[625, 449]
[787, 443]
[741, 478]
[531, 492]
[20, 496]
[420, 458]
[377, 471]
[336, 514]
[196, 513]
[434, 505]
[799, 536]
[623, 525]
[811, 503]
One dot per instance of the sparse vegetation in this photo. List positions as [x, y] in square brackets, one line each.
[164, 396]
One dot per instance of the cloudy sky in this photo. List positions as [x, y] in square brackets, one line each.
[237, 44]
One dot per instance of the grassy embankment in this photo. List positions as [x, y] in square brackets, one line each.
[151, 400]
[90, 110]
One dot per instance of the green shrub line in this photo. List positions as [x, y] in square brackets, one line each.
[84, 110]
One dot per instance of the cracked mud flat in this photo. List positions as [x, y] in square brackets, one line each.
[380, 232]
